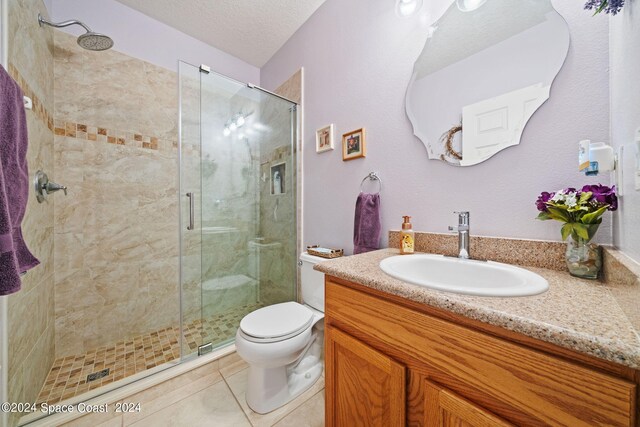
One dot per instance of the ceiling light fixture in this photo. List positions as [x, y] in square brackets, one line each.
[407, 8]
[235, 123]
[469, 5]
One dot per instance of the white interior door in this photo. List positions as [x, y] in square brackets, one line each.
[497, 123]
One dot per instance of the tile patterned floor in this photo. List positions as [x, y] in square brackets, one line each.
[236, 377]
[68, 375]
[210, 395]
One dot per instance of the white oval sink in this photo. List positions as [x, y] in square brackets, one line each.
[481, 278]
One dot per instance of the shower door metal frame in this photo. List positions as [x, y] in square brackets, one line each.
[180, 216]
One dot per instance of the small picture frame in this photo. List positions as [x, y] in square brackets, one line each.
[324, 139]
[354, 145]
[278, 175]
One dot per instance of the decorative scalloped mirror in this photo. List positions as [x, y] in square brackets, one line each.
[482, 74]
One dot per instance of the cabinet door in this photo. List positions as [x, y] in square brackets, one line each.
[363, 386]
[443, 408]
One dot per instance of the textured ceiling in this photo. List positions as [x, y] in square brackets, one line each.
[472, 32]
[252, 30]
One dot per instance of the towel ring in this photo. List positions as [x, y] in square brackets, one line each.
[373, 176]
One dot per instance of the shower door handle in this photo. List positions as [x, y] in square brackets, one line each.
[191, 211]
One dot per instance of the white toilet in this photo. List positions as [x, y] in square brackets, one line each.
[283, 343]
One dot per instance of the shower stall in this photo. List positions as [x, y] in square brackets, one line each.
[179, 219]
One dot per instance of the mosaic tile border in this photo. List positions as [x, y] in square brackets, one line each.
[38, 110]
[110, 136]
[83, 131]
[282, 152]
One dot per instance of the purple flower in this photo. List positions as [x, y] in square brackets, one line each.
[603, 195]
[543, 198]
[608, 6]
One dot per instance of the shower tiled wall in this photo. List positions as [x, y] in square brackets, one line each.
[30, 317]
[116, 233]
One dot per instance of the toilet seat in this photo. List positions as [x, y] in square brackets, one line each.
[276, 322]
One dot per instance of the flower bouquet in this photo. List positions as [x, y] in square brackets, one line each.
[606, 6]
[581, 212]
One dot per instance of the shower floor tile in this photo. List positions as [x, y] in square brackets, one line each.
[217, 328]
[68, 375]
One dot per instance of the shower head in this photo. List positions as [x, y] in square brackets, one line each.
[89, 40]
[95, 41]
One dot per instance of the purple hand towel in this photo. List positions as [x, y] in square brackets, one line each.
[15, 257]
[366, 227]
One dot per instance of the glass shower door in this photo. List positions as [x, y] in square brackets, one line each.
[245, 225]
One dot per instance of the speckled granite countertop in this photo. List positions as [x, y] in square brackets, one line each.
[580, 315]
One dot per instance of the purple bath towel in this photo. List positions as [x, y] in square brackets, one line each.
[366, 227]
[15, 257]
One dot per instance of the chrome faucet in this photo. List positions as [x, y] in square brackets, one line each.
[463, 234]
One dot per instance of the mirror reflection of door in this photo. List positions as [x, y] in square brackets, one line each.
[481, 76]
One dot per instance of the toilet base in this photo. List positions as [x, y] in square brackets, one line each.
[282, 370]
[269, 389]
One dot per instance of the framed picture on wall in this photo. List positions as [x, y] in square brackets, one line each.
[278, 178]
[324, 139]
[354, 145]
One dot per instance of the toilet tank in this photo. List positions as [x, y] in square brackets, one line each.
[312, 282]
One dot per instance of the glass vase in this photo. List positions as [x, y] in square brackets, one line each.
[583, 258]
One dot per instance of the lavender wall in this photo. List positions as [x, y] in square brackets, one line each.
[358, 58]
[625, 119]
[142, 37]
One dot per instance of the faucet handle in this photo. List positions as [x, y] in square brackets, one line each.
[44, 187]
[52, 187]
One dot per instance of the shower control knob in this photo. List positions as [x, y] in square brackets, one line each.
[44, 187]
[52, 187]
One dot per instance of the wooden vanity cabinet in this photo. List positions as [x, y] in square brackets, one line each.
[393, 362]
[356, 367]
[444, 408]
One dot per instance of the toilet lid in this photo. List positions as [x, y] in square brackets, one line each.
[278, 320]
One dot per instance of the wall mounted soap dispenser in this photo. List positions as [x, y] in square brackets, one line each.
[596, 157]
